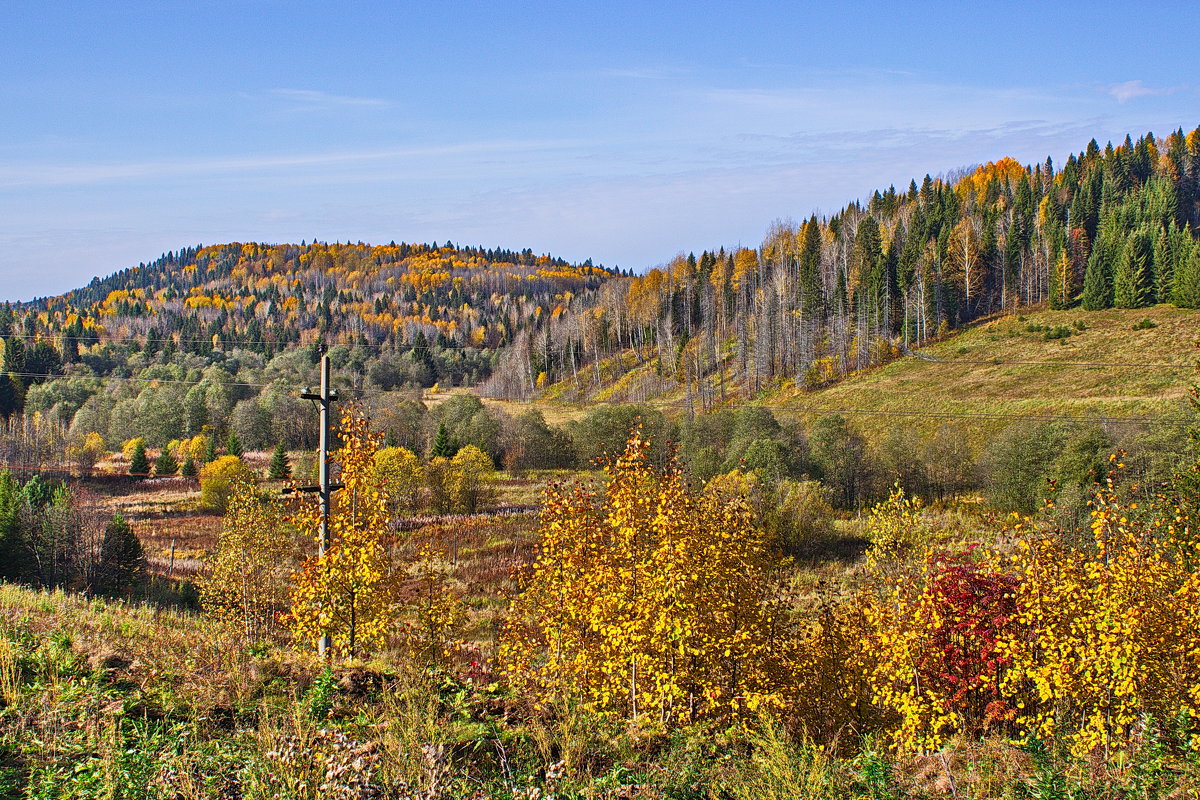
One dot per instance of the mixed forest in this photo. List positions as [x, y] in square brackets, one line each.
[604, 535]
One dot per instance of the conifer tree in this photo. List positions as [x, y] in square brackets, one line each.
[12, 395]
[188, 470]
[1164, 264]
[279, 469]
[442, 446]
[233, 445]
[139, 464]
[210, 449]
[1131, 274]
[14, 355]
[122, 560]
[165, 464]
[1132, 286]
[1186, 290]
[1097, 288]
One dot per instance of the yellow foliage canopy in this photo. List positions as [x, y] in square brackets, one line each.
[349, 592]
[650, 598]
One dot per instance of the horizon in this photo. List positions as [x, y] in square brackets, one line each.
[624, 135]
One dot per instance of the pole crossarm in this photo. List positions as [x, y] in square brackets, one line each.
[333, 487]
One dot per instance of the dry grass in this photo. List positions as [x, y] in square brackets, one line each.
[957, 384]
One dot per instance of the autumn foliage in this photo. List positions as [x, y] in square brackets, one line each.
[349, 592]
[247, 579]
[1048, 639]
[648, 598]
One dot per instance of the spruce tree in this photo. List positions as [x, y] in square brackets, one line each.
[165, 464]
[12, 395]
[122, 560]
[233, 445]
[139, 464]
[1186, 291]
[810, 268]
[1164, 264]
[1097, 288]
[1131, 274]
[442, 446]
[210, 449]
[188, 470]
[279, 469]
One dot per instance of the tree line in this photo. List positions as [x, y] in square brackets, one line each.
[1113, 227]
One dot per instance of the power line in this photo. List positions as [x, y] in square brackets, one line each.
[917, 354]
[783, 406]
[94, 338]
[143, 380]
[995, 416]
[363, 394]
[998, 363]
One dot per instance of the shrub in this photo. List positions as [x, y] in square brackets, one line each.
[803, 518]
[529, 443]
[1058, 332]
[649, 599]
[1112, 631]
[247, 578]
[399, 469]
[471, 477]
[216, 477]
[129, 447]
[840, 458]
[437, 481]
[91, 451]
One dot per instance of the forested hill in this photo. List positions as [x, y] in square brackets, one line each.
[448, 307]
[1112, 227]
[175, 347]
[189, 337]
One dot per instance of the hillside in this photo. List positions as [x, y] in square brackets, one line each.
[1112, 227]
[447, 308]
[167, 350]
[1040, 363]
[214, 339]
[1106, 367]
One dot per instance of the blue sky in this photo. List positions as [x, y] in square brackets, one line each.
[622, 132]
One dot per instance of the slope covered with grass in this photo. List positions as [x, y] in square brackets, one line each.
[1096, 364]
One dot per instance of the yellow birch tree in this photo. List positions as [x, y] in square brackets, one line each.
[349, 593]
[648, 599]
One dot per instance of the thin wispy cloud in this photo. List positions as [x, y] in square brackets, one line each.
[879, 94]
[48, 175]
[640, 73]
[311, 98]
[1131, 90]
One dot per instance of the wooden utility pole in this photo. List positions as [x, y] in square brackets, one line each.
[324, 489]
